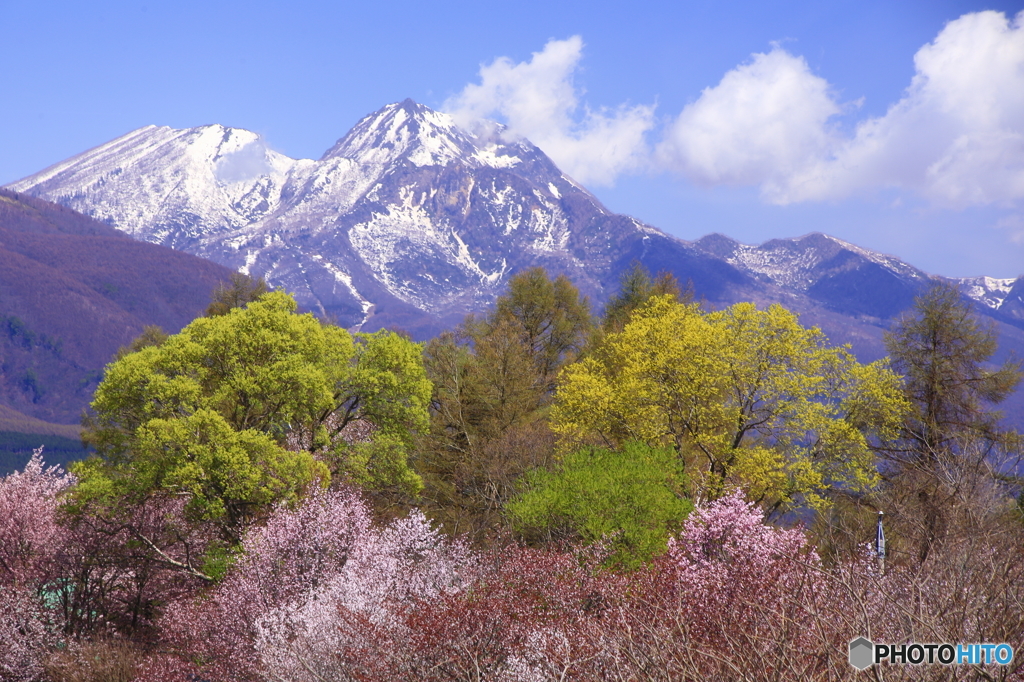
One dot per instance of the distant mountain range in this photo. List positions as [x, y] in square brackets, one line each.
[411, 221]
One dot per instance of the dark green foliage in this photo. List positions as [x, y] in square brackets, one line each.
[151, 335]
[493, 380]
[16, 449]
[549, 316]
[635, 289]
[953, 463]
[19, 334]
[29, 384]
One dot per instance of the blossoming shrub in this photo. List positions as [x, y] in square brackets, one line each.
[316, 585]
[30, 544]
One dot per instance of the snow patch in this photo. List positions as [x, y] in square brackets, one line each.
[344, 278]
[493, 157]
[988, 291]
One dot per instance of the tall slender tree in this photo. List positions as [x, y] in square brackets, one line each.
[944, 352]
[954, 456]
[493, 379]
[636, 287]
[239, 291]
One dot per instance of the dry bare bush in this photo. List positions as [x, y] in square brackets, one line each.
[101, 661]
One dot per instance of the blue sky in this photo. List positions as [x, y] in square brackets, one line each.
[897, 126]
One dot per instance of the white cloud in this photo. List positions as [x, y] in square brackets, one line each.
[538, 100]
[761, 125]
[956, 137]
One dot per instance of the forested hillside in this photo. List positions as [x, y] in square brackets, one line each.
[73, 291]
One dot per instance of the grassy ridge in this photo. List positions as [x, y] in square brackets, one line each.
[12, 420]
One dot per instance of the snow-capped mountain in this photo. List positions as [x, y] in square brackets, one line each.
[171, 187]
[841, 276]
[412, 221]
[404, 216]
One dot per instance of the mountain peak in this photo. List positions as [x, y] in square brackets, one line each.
[192, 182]
[410, 131]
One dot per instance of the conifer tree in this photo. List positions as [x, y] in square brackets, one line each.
[493, 379]
[943, 350]
[636, 287]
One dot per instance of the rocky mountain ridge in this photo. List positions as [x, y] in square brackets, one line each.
[411, 221]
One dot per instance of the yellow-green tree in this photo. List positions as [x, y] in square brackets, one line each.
[746, 397]
[250, 408]
[633, 498]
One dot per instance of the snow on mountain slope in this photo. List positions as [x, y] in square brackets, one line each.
[424, 137]
[843, 277]
[170, 186]
[988, 291]
[407, 214]
[799, 263]
[410, 220]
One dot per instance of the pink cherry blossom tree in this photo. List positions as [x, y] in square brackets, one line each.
[30, 544]
[30, 537]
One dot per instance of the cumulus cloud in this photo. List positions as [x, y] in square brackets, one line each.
[957, 135]
[761, 125]
[955, 138]
[248, 162]
[539, 101]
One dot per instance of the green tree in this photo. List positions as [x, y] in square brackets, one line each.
[632, 497]
[949, 469]
[152, 335]
[746, 397]
[493, 381]
[244, 410]
[944, 350]
[636, 288]
[551, 318]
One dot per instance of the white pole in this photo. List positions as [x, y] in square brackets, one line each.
[880, 543]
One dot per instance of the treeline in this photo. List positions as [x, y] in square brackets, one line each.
[536, 494]
[59, 449]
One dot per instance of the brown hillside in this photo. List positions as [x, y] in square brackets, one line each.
[73, 291]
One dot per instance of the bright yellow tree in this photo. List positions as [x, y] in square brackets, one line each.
[747, 398]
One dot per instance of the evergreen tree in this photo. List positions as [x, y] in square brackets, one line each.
[152, 335]
[493, 380]
[943, 350]
[551, 318]
[635, 289]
